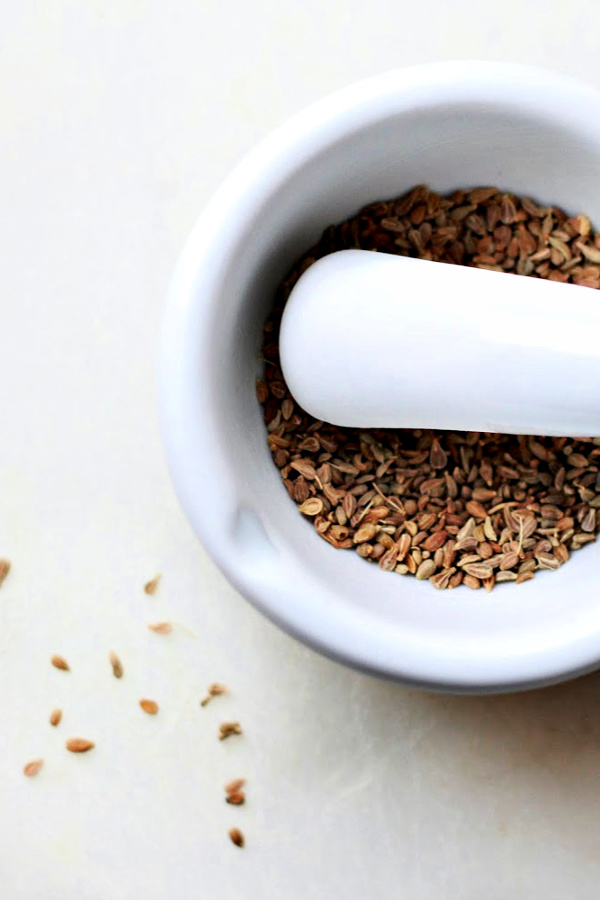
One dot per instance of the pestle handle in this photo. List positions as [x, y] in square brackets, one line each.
[371, 340]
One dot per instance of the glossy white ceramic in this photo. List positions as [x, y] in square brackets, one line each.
[371, 340]
[448, 125]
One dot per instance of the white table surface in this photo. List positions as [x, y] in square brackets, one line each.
[119, 118]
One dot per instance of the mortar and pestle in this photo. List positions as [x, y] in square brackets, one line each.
[503, 353]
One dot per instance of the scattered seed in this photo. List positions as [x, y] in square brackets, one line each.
[55, 717]
[226, 729]
[161, 627]
[79, 745]
[60, 663]
[32, 768]
[236, 785]
[236, 837]
[116, 664]
[151, 586]
[214, 690]
[4, 570]
[236, 798]
[149, 706]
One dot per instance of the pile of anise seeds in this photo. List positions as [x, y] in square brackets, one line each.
[448, 507]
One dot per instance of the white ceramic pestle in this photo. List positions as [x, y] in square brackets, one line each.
[374, 340]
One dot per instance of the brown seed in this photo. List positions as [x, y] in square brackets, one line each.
[509, 561]
[442, 579]
[262, 391]
[311, 507]
[116, 664]
[226, 729]
[476, 509]
[479, 570]
[32, 768]
[161, 627]
[425, 570]
[404, 544]
[55, 717]
[149, 706]
[589, 522]
[151, 586]
[236, 798]
[79, 745]
[214, 690]
[236, 785]
[435, 541]
[4, 570]
[471, 582]
[305, 469]
[236, 837]
[389, 560]
[60, 663]
[467, 544]
[365, 533]
[437, 457]
[524, 576]
[505, 576]
[548, 561]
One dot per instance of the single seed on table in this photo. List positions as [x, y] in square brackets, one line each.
[55, 717]
[79, 745]
[214, 690]
[32, 768]
[161, 627]
[151, 586]
[226, 729]
[149, 706]
[235, 798]
[236, 837]
[4, 570]
[236, 785]
[116, 664]
[60, 663]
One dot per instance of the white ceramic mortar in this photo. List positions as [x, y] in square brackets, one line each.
[448, 125]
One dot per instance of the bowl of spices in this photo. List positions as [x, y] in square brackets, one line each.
[450, 560]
